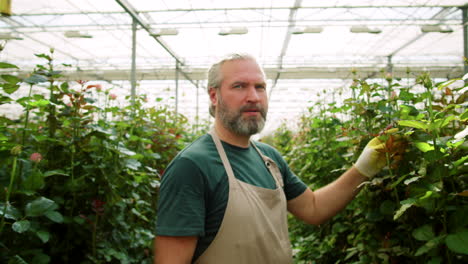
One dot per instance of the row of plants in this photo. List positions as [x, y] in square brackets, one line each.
[416, 209]
[78, 173]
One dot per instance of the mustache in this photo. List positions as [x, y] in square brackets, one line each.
[253, 107]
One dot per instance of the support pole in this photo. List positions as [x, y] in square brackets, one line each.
[389, 64]
[196, 113]
[177, 88]
[133, 71]
[465, 37]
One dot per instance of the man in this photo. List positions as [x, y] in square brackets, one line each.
[224, 199]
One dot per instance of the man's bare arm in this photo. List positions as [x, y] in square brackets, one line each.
[316, 207]
[174, 250]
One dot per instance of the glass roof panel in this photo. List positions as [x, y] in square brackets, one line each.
[96, 38]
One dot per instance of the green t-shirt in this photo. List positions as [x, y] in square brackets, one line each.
[194, 188]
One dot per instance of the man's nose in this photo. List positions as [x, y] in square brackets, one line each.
[252, 94]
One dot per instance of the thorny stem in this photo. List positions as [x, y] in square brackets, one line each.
[26, 119]
[387, 156]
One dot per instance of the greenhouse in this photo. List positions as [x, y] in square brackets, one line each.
[101, 99]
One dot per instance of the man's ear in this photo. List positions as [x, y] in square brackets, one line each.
[213, 95]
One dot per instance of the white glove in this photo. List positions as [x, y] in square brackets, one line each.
[372, 158]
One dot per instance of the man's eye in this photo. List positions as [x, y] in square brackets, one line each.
[237, 86]
[262, 87]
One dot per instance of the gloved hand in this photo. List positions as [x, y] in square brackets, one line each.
[374, 156]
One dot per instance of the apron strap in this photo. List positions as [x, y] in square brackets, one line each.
[222, 154]
[269, 163]
[272, 167]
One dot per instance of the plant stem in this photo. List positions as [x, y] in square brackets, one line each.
[94, 235]
[26, 119]
[8, 192]
[387, 156]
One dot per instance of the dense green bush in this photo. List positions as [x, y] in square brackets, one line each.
[415, 210]
[78, 174]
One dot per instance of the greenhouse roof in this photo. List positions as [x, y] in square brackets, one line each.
[305, 46]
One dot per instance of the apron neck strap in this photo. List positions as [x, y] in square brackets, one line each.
[227, 165]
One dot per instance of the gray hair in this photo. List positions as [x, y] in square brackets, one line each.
[215, 77]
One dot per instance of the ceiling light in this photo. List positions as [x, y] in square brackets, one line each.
[76, 34]
[302, 30]
[164, 32]
[233, 31]
[436, 28]
[9, 36]
[365, 29]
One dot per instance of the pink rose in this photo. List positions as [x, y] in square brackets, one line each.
[35, 157]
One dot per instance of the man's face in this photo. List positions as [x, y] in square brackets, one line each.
[241, 101]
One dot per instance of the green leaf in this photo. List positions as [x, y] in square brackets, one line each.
[423, 146]
[35, 79]
[21, 226]
[413, 123]
[34, 181]
[412, 179]
[10, 78]
[446, 83]
[44, 56]
[43, 235]
[427, 195]
[429, 245]
[406, 96]
[9, 88]
[39, 103]
[125, 151]
[4, 65]
[17, 260]
[5, 99]
[41, 258]
[458, 242]
[423, 233]
[440, 123]
[464, 116]
[132, 164]
[11, 212]
[460, 161]
[405, 205]
[55, 172]
[40, 206]
[155, 155]
[54, 216]
[135, 212]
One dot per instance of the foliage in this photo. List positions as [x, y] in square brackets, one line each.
[78, 174]
[415, 210]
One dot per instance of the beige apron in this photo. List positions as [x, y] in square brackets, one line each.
[254, 228]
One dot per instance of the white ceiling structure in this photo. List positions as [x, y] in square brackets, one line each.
[305, 46]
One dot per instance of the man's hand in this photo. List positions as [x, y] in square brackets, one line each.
[374, 156]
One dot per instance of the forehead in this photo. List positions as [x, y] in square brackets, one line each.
[246, 70]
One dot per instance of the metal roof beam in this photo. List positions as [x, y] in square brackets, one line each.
[287, 38]
[440, 15]
[345, 72]
[135, 15]
[244, 9]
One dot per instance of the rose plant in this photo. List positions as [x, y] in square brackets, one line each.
[79, 176]
[415, 210]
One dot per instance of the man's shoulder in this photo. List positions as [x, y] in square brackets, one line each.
[198, 150]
